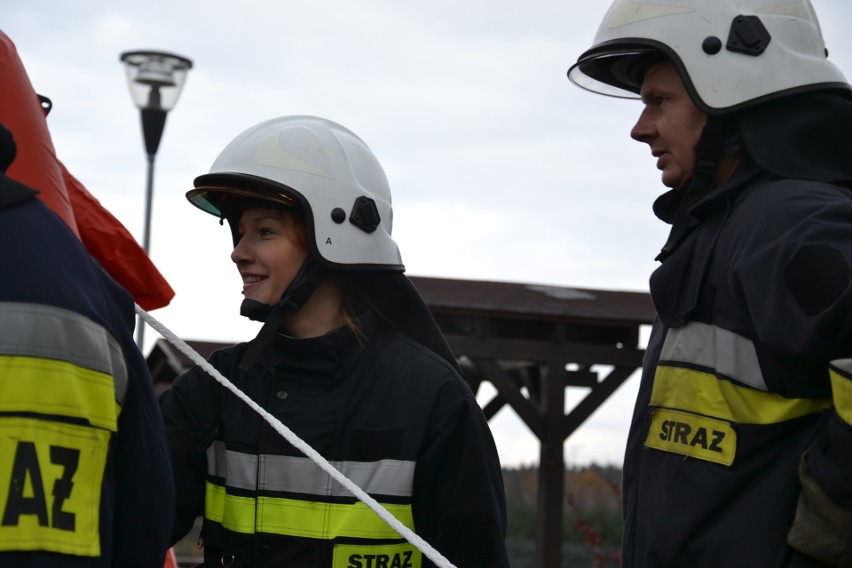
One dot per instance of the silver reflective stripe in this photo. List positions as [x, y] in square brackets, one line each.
[48, 332]
[301, 475]
[843, 365]
[717, 349]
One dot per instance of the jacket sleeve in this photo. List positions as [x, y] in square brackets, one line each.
[144, 494]
[191, 416]
[459, 501]
[823, 524]
[795, 277]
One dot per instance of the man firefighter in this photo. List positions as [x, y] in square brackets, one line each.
[740, 448]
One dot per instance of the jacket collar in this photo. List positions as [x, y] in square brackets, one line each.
[668, 206]
[331, 356]
[742, 178]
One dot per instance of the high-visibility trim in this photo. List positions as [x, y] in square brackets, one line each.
[716, 349]
[52, 387]
[294, 517]
[840, 372]
[50, 486]
[301, 475]
[691, 435]
[48, 332]
[401, 555]
[702, 393]
[842, 367]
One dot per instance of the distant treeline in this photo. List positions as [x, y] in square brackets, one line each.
[592, 499]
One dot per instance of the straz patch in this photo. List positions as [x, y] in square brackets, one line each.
[402, 555]
[50, 486]
[691, 435]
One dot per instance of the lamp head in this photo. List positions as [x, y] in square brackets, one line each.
[155, 78]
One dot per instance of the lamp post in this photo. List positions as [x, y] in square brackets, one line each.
[155, 79]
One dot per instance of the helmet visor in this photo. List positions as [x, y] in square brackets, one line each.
[615, 71]
[223, 199]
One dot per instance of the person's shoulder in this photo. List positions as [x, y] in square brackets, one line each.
[425, 375]
[787, 192]
[228, 355]
[393, 342]
[224, 360]
[392, 347]
[47, 257]
[783, 203]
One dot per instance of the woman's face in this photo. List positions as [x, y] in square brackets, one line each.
[271, 249]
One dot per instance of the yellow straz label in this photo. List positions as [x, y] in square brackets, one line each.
[690, 435]
[50, 486]
[376, 556]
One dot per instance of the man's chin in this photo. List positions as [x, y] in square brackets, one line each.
[676, 184]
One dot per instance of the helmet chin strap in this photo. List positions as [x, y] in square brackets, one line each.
[304, 284]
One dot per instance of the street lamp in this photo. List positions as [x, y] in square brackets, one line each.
[155, 79]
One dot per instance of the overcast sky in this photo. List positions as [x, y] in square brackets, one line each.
[500, 168]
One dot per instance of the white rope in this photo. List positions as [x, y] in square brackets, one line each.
[288, 434]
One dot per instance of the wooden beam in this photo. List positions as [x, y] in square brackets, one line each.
[596, 397]
[493, 406]
[532, 350]
[551, 470]
[510, 391]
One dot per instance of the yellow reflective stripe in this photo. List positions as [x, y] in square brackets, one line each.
[841, 388]
[328, 520]
[50, 486]
[231, 511]
[47, 332]
[703, 393]
[691, 435]
[311, 519]
[44, 386]
[403, 555]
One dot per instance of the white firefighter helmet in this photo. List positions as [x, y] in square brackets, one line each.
[730, 53]
[325, 168]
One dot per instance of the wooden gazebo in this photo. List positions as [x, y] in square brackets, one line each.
[530, 342]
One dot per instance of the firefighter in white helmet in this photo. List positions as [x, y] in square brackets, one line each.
[740, 449]
[348, 357]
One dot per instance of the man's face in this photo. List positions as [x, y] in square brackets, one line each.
[670, 124]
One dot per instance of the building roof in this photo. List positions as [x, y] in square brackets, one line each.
[535, 301]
